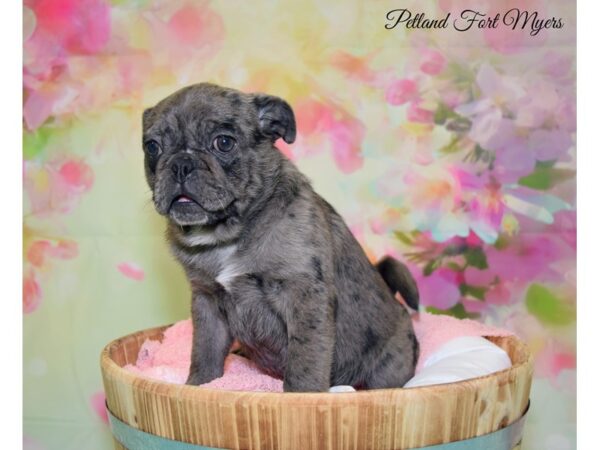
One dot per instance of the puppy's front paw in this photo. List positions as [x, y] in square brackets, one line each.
[195, 379]
[200, 374]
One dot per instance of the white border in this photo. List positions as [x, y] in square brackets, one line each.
[11, 334]
[588, 207]
[588, 210]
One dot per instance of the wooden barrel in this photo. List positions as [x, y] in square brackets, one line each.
[376, 419]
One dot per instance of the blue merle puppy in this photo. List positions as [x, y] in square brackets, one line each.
[270, 262]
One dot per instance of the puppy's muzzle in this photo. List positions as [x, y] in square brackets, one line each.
[182, 167]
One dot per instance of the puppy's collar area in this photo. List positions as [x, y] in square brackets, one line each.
[207, 235]
[198, 235]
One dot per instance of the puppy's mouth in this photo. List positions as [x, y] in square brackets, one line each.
[183, 199]
[185, 203]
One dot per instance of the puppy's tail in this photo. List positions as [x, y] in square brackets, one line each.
[399, 279]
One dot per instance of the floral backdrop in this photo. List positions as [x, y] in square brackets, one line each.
[454, 151]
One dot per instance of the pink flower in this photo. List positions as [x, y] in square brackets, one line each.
[518, 149]
[553, 359]
[525, 259]
[472, 240]
[131, 270]
[59, 28]
[98, 404]
[565, 226]
[455, 202]
[417, 114]
[344, 132]
[346, 136]
[557, 64]
[440, 289]
[354, 66]
[436, 195]
[32, 294]
[452, 96]
[39, 250]
[498, 92]
[39, 106]
[432, 62]
[312, 117]
[193, 25]
[56, 186]
[77, 175]
[485, 118]
[401, 91]
[79, 26]
[184, 37]
[540, 105]
[498, 292]
[474, 306]
[486, 211]
[505, 39]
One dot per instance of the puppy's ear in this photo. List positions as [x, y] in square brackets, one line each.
[146, 117]
[275, 117]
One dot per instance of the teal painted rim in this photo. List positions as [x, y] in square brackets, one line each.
[134, 439]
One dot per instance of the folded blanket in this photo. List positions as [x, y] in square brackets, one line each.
[169, 360]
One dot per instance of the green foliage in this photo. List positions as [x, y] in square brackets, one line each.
[479, 154]
[443, 113]
[452, 147]
[457, 311]
[543, 177]
[547, 307]
[34, 143]
[404, 237]
[431, 266]
[477, 292]
[475, 257]
[502, 242]
[454, 266]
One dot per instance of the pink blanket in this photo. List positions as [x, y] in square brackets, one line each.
[169, 360]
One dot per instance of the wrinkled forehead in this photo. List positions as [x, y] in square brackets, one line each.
[202, 109]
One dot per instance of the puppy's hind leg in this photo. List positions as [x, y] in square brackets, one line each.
[396, 362]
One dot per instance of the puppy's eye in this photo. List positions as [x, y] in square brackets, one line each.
[224, 143]
[152, 148]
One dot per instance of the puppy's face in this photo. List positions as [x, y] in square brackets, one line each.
[207, 151]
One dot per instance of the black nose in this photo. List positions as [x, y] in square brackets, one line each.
[181, 168]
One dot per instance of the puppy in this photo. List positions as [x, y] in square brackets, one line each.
[269, 261]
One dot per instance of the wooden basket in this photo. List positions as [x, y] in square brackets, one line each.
[375, 419]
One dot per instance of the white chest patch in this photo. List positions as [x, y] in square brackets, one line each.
[230, 267]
